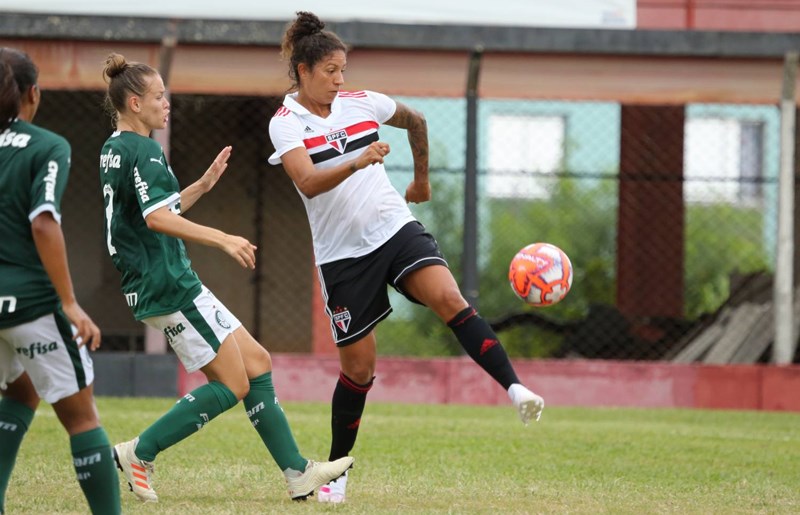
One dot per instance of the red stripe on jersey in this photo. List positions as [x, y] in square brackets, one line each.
[282, 111]
[352, 94]
[353, 129]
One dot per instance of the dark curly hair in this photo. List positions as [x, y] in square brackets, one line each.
[306, 42]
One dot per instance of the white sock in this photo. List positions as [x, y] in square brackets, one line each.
[292, 473]
[514, 390]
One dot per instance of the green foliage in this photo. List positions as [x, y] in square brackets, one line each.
[579, 220]
[580, 217]
[721, 239]
[418, 333]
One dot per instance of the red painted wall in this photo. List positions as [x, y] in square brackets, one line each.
[738, 15]
[302, 377]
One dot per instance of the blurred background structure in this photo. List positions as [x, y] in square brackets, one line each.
[645, 140]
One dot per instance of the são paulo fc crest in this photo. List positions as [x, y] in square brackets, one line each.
[341, 317]
[337, 139]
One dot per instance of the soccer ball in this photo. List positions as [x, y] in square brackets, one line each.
[540, 274]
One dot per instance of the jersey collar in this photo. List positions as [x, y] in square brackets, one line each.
[291, 103]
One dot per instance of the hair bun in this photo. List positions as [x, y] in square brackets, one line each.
[307, 24]
[115, 65]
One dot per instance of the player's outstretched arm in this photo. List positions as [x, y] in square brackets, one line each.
[49, 240]
[166, 222]
[203, 185]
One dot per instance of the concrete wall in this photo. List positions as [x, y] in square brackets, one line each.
[302, 377]
[122, 374]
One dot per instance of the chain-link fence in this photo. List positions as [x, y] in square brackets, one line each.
[664, 211]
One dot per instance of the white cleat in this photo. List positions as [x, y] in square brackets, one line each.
[528, 404]
[317, 474]
[333, 492]
[136, 471]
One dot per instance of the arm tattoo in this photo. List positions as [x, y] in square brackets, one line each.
[418, 139]
[414, 122]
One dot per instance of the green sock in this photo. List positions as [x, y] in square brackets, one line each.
[268, 418]
[15, 419]
[187, 416]
[97, 473]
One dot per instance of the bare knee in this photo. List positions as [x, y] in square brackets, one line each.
[358, 359]
[359, 372]
[447, 303]
[240, 387]
[22, 391]
[78, 413]
[257, 361]
[255, 357]
[242, 390]
[234, 380]
[266, 361]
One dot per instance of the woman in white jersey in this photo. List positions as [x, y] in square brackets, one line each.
[144, 235]
[365, 237]
[45, 336]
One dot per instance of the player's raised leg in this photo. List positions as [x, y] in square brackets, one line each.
[435, 287]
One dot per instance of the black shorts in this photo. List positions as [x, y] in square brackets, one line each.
[354, 290]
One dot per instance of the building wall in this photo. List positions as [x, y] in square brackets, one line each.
[561, 383]
[512, 76]
[737, 15]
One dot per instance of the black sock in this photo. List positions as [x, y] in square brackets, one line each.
[477, 338]
[347, 406]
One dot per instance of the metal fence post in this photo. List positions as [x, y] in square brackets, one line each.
[470, 258]
[783, 347]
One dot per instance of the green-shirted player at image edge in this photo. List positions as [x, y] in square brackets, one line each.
[144, 233]
[45, 335]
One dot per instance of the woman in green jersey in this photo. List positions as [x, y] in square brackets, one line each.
[44, 333]
[144, 235]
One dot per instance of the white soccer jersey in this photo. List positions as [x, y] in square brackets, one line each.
[365, 210]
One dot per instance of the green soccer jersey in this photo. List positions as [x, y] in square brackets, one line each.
[34, 168]
[135, 178]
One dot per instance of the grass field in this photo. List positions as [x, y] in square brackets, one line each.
[451, 459]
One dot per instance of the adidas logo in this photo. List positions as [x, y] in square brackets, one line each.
[308, 129]
[487, 344]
